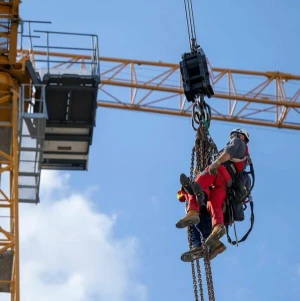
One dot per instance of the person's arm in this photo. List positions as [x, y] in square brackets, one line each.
[223, 157]
[231, 149]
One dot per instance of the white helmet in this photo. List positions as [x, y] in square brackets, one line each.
[241, 131]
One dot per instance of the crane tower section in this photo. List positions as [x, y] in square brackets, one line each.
[47, 119]
[12, 73]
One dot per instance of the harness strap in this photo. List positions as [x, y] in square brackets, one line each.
[230, 168]
[248, 232]
[239, 160]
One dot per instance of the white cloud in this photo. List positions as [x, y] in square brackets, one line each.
[69, 251]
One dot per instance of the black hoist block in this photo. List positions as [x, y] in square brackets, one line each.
[195, 75]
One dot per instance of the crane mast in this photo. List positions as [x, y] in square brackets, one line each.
[12, 73]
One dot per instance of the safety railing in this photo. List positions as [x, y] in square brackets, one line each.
[89, 54]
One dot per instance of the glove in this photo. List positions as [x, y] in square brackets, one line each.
[214, 167]
[181, 195]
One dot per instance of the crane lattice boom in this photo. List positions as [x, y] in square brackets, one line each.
[250, 97]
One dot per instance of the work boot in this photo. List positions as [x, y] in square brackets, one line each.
[216, 249]
[192, 217]
[192, 188]
[186, 184]
[193, 254]
[217, 232]
[200, 196]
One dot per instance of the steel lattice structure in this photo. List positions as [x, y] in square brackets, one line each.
[12, 73]
[250, 97]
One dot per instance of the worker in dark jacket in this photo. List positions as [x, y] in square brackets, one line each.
[210, 186]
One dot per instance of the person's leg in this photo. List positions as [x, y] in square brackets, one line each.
[196, 246]
[216, 249]
[205, 227]
[192, 215]
[195, 196]
[205, 222]
[215, 208]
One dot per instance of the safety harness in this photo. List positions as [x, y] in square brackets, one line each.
[235, 207]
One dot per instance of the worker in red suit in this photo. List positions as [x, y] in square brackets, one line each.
[211, 185]
[194, 236]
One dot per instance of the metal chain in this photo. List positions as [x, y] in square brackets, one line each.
[205, 152]
[203, 157]
[193, 267]
[192, 171]
[192, 176]
[190, 243]
[200, 280]
[204, 149]
[209, 279]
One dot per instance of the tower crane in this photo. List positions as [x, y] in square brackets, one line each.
[46, 125]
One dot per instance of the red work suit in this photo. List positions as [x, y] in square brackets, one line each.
[215, 188]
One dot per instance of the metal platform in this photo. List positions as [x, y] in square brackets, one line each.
[71, 105]
[71, 99]
[32, 123]
[6, 262]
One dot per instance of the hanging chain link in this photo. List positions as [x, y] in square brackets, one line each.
[192, 176]
[193, 268]
[208, 274]
[200, 280]
[204, 148]
[192, 171]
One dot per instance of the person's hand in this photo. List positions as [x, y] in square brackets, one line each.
[214, 167]
[181, 195]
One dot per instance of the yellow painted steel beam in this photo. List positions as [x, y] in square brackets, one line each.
[77, 57]
[262, 98]
[15, 198]
[188, 114]
[217, 95]
[11, 75]
[14, 17]
[9, 17]
[9, 202]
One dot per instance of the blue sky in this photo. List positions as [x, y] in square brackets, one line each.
[136, 158]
